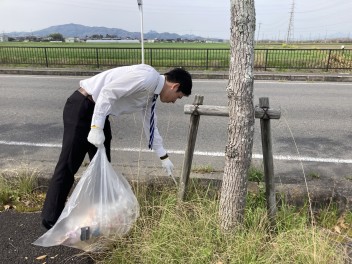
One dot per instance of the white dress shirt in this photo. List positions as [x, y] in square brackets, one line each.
[126, 90]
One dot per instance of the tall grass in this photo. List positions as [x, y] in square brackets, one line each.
[169, 231]
[19, 189]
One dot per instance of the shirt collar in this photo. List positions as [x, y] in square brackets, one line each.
[160, 84]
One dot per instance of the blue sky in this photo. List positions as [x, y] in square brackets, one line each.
[207, 18]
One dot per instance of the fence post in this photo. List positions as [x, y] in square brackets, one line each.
[207, 64]
[192, 136]
[328, 62]
[97, 57]
[265, 115]
[46, 58]
[266, 59]
[151, 57]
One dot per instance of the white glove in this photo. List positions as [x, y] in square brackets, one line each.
[96, 136]
[167, 165]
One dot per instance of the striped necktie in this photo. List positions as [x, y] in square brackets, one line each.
[152, 125]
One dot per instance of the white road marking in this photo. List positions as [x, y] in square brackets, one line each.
[198, 153]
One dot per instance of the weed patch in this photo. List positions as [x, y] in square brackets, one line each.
[170, 231]
[19, 189]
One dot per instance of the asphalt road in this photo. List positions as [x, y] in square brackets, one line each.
[315, 126]
[19, 230]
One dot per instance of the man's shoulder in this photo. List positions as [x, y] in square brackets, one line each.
[135, 69]
[146, 67]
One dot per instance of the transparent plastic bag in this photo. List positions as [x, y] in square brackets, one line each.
[102, 205]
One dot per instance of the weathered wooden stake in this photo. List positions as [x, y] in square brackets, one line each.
[192, 136]
[265, 115]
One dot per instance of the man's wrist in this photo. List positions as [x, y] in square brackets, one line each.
[164, 157]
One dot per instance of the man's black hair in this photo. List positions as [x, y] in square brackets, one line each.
[181, 76]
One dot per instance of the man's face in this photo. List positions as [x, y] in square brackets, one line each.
[170, 94]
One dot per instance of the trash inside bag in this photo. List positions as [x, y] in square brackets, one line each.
[102, 205]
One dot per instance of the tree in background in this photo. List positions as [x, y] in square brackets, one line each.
[96, 36]
[238, 153]
[56, 37]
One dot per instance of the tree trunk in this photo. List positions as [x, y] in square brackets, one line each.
[238, 153]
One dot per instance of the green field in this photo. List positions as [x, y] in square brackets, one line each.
[120, 45]
[200, 56]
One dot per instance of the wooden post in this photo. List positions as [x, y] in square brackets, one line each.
[192, 136]
[265, 115]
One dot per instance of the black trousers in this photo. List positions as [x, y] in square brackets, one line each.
[77, 118]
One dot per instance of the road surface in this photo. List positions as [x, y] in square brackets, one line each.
[313, 136]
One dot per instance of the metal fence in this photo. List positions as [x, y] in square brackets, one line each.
[196, 59]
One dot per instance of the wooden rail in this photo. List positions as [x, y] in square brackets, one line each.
[264, 113]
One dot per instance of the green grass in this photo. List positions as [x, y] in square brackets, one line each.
[208, 168]
[170, 231]
[19, 189]
[313, 175]
[119, 45]
[83, 56]
[203, 56]
[255, 174]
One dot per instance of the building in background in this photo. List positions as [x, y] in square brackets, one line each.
[72, 39]
[4, 38]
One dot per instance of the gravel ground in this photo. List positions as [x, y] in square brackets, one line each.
[19, 230]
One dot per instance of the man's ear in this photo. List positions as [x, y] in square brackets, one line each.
[175, 86]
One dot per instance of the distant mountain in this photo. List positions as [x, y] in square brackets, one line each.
[81, 31]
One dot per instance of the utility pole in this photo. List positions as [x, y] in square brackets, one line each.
[326, 35]
[140, 6]
[290, 24]
[258, 32]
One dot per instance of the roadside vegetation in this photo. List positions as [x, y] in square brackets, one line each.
[20, 190]
[169, 231]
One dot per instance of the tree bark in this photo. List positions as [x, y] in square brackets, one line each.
[238, 152]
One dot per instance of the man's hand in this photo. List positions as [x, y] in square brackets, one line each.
[168, 166]
[96, 136]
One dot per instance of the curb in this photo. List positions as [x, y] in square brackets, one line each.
[196, 75]
[295, 194]
[308, 77]
[56, 72]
